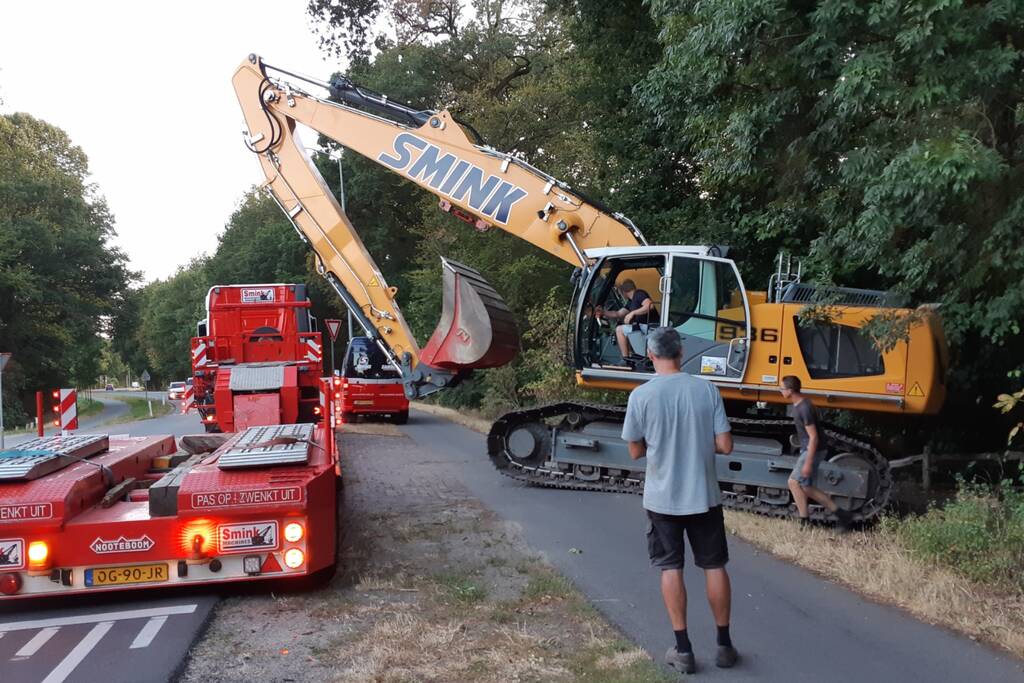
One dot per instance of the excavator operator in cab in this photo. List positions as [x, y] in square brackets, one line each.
[638, 316]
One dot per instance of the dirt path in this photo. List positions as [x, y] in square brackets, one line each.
[431, 587]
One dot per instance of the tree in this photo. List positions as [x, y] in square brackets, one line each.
[60, 278]
[884, 139]
[170, 310]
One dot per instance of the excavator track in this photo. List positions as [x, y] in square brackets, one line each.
[535, 471]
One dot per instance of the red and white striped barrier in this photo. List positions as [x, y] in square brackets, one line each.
[188, 400]
[68, 410]
[314, 352]
[327, 413]
[199, 354]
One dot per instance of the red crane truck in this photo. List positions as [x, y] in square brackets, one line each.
[257, 357]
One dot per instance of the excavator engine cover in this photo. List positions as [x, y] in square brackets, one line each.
[477, 330]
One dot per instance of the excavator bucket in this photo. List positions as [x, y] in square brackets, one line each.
[477, 330]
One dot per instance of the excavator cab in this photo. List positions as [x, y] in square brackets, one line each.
[692, 289]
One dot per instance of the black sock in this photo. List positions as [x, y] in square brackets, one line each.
[683, 641]
[804, 521]
[723, 636]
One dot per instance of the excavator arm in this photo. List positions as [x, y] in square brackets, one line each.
[485, 187]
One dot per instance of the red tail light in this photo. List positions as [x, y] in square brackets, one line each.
[10, 583]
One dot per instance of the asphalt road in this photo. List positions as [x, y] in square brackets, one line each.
[788, 624]
[133, 637]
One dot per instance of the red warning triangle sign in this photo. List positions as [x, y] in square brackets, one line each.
[270, 565]
[333, 327]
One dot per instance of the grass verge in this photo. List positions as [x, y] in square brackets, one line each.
[88, 407]
[979, 534]
[961, 566]
[466, 418]
[138, 409]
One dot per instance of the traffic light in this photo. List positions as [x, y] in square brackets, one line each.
[56, 407]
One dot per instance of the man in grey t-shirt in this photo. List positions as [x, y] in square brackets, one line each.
[678, 423]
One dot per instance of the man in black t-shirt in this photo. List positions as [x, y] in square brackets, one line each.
[801, 480]
[639, 310]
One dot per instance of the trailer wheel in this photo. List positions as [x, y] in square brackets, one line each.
[401, 418]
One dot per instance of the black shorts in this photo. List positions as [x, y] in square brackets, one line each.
[705, 531]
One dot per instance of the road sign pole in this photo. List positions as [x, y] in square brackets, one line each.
[333, 327]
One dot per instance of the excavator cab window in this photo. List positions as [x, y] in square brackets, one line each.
[596, 342]
[833, 351]
[707, 306]
[700, 296]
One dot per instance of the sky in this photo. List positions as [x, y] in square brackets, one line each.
[145, 90]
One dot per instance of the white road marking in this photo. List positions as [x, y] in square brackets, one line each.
[148, 632]
[38, 640]
[75, 657]
[94, 618]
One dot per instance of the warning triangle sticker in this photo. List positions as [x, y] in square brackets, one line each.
[916, 390]
[270, 565]
[373, 282]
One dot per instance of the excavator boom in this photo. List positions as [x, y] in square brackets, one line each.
[477, 330]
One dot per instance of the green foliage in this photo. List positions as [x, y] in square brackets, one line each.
[979, 534]
[169, 311]
[883, 137]
[60, 279]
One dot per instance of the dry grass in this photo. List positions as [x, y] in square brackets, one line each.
[467, 419]
[482, 609]
[875, 564]
[371, 428]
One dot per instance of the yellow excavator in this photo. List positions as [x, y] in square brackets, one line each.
[743, 341]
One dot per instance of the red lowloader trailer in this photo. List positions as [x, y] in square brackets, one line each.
[92, 513]
[256, 358]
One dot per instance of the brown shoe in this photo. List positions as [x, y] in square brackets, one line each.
[683, 662]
